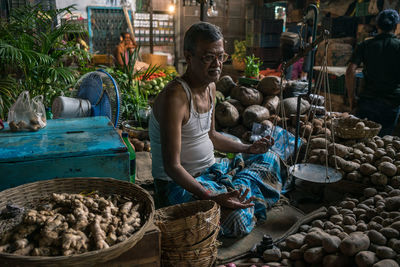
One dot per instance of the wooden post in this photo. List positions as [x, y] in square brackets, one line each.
[128, 21]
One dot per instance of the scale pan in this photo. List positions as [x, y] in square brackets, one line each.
[315, 173]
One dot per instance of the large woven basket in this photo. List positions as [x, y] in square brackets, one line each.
[187, 224]
[29, 194]
[197, 257]
[346, 128]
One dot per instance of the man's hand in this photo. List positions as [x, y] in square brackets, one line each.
[260, 146]
[234, 199]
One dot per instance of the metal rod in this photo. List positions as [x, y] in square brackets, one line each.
[314, 33]
[151, 28]
[203, 11]
[310, 73]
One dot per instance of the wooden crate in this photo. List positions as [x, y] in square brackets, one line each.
[103, 59]
[146, 253]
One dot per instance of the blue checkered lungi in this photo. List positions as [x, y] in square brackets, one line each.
[260, 173]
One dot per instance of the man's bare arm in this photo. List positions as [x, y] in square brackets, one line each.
[172, 115]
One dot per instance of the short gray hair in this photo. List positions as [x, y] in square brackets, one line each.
[201, 30]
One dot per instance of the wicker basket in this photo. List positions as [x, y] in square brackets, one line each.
[29, 194]
[345, 128]
[200, 262]
[197, 257]
[187, 224]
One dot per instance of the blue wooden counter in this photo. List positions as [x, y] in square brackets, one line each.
[81, 147]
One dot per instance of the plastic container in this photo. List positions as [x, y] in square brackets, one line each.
[68, 107]
[132, 156]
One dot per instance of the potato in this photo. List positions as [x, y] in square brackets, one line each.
[273, 254]
[385, 252]
[331, 243]
[296, 254]
[366, 258]
[369, 158]
[374, 226]
[319, 143]
[354, 243]
[393, 203]
[379, 143]
[295, 241]
[354, 176]
[367, 150]
[226, 114]
[379, 179]
[314, 159]
[225, 85]
[335, 260]
[386, 263]
[349, 166]
[336, 218]
[271, 103]
[376, 237]
[367, 169]
[361, 227]
[269, 85]
[254, 113]
[248, 96]
[340, 150]
[372, 145]
[389, 232]
[314, 239]
[380, 152]
[387, 168]
[314, 255]
[390, 152]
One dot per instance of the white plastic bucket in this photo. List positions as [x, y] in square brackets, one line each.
[68, 107]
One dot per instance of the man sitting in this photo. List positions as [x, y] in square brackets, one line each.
[183, 139]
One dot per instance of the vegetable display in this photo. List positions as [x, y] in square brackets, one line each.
[156, 82]
[356, 232]
[70, 224]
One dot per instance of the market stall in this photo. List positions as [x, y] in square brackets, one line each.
[77, 162]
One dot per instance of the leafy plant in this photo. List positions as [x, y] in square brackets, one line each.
[240, 50]
[32, 54]
[133, 99]
[252, 66]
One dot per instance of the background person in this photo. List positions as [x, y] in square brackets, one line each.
[379, 98]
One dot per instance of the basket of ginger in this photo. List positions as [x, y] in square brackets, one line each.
[72, 221]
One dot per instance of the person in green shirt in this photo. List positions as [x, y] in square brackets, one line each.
[379, 98]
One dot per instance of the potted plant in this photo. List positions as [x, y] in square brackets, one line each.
[238, 57]
[252, 69]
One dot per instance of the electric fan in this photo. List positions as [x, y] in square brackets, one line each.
[95, 94]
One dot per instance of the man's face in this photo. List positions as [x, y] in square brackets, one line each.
[204, 62]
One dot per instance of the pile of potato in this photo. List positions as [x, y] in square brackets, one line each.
[357, 232]
[375, 161]
[68, 224]
[238, 107]
[245, 105]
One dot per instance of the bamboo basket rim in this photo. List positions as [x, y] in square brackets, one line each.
[180, 230]
[176, 224]
[344, 128]
[210, 239]
[38, 190]
[190, 254]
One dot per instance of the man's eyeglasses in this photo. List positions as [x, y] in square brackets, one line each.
[207, 59]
